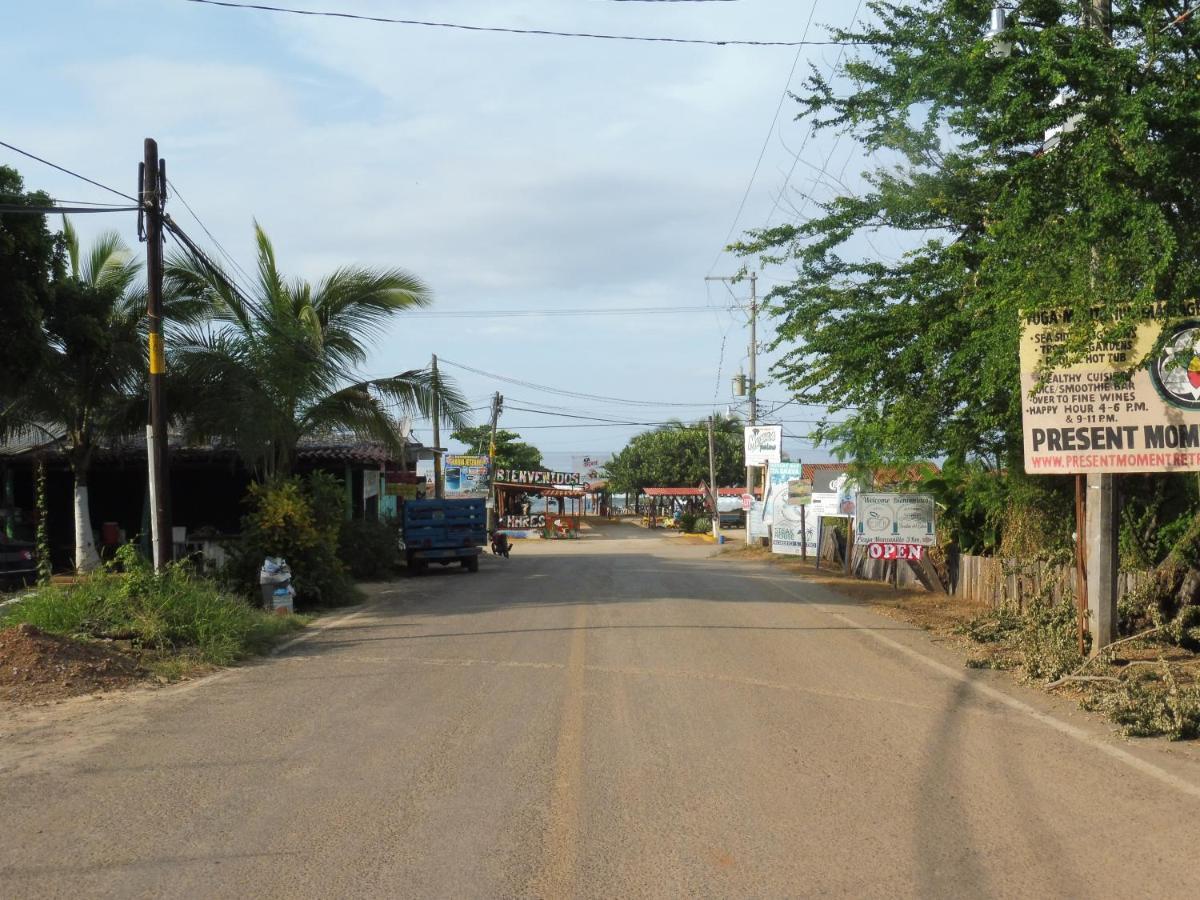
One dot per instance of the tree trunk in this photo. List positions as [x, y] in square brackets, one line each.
[86, 557]
[1175, 582]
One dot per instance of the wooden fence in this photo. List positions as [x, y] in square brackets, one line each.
[983, 579]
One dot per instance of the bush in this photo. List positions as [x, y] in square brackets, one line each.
[702, 525]
[687, 522]
[1152, 705]
[300, 520]
[172, 612]
[1049, 640]
[369, 549]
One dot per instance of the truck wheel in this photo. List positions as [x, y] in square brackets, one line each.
[471, 563]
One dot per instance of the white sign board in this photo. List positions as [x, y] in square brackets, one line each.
[896, 519]
[764, 444]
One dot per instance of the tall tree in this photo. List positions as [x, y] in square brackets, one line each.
[90, 377]
[265, 371]
[511, 451]
[1062, 174]
[919, 353]
[676, 455]
[31, 257]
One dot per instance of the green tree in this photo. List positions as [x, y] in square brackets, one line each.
[511, 451]
[31, 258]
[92, 358]
[917, 356]
[676, 455]
[266, 371]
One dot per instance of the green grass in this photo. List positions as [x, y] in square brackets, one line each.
[175, 614]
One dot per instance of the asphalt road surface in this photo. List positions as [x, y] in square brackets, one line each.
[620, 716]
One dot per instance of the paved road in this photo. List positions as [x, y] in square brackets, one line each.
[614, 717]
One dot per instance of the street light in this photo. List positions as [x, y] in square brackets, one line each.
[1001, 48]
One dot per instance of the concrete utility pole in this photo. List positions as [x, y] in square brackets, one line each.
[439, 485]
[751, 471]
[712, 481]
[497, 405]
[153, 173]
[1101, 511]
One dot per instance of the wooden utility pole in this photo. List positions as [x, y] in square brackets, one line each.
[493, 514]
[712, 482]
[439, 488]
[154, 183]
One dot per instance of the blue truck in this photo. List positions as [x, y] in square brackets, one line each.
[443, 532]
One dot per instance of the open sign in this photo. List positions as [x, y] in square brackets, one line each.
[895, 551]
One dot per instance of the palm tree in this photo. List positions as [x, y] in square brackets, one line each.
[266, 371]
[90, 377]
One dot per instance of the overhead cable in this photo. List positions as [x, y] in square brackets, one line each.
[67, 171]
[537, 32]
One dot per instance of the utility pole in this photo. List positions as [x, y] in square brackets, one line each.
[439, 489]
[751, 471]
[1101, 508]
[497, 406]
[712, 482]
[153, 172]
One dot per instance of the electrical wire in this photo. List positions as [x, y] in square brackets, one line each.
[554, 313]
[19, 209]
[67, 171]
[220, 249]
[766, 142]
[538, 32]
[561, 391]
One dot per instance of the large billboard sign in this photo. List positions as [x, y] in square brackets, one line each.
[764, 444]
[1085, 418]
[462, 476]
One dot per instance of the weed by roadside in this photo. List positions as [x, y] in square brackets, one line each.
[176, 621]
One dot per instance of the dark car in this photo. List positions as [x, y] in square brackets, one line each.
[18, 562]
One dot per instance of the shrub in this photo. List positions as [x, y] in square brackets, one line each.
[369, 549]
[687, 522]
[702, 525]
[172, 612]
[1149, 705]
[300, 520]
[1048, 639]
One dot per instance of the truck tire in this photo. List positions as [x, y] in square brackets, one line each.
[471, 563]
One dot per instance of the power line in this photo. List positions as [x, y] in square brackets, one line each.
[561, 391]
[220, 249]
[766, 142]
[19, 209]
[523, 313]
[539, 32]
[67, 171]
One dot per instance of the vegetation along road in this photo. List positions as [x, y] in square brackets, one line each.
[625, 715]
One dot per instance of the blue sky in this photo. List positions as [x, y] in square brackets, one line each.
[510, 172]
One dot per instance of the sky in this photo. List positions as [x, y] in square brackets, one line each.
[510, 172]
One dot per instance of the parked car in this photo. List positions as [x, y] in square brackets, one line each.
[18, 563]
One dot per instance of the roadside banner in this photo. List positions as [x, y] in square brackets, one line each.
[758, 527]
[764, 444]
[776, 493]
[800, 492]
[896, 519]
[1085, 418]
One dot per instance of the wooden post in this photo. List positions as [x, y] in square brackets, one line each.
[1081, 599]
[804, 537]
[153, 194]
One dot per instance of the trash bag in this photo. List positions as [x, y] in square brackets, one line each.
[274, 571]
